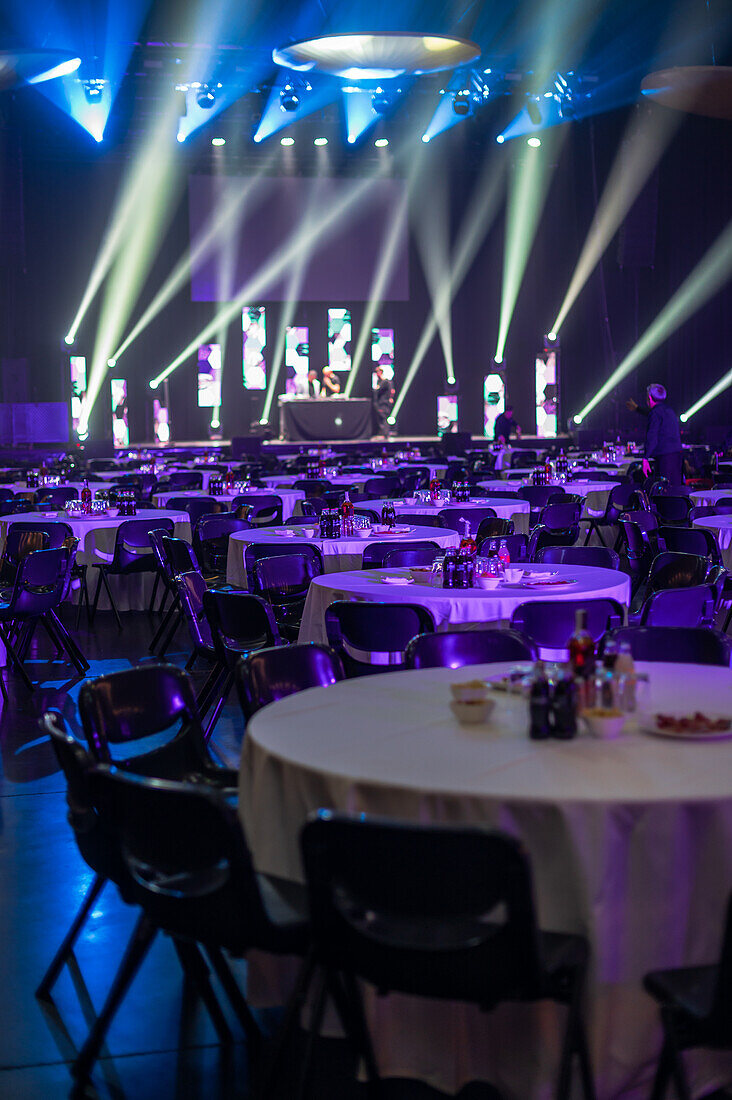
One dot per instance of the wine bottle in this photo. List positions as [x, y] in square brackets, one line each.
[86, 498]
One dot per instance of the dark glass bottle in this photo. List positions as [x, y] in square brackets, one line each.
[347, 516]
[564, 708]
[449, 569]
[86, 498]
[388, 514]
[581, 647]
[539, 705]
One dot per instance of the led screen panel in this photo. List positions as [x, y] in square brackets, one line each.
[349, 224]
[254, 336]
[494, 403]
[297, 358]
[120, 425]
[339, 339]
[209, 376]
[447, 413]
[382, 353]
[546, 395]
[77, 371]
[161, 422]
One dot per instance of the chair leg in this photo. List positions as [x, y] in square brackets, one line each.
[67, 642]
[573, 1043]
[95, 604]
[349, 1003]
[316, 1022]
[289, 1022]
[154, 594]
[16, 661]
[225, 689]
[208, 691]
[236, 999]
[140, 942]
[112, 604]
[67, 944]
[164, 624]
[195, 968]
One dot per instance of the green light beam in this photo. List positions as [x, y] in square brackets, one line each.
[709, 275]
[724, 383]
[432, 236]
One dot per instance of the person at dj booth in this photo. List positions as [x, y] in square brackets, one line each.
[307, 385]
[331, 385]
[663, 434]
[383, 399]
[505, 426]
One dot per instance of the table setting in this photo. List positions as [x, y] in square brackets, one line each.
[721, 528]
[290, 497]
[598, 816]
[423, 503]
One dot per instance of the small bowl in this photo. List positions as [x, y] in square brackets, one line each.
[411, 501]
[513, 575]
[363, 532]
[604, 726]
[469, 691]
[486, 581]
[471, 714]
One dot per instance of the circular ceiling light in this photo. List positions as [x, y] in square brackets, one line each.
[698, 89]
[377, 56]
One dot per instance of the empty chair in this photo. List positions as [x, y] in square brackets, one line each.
[695, 1013]
[550, 623]
[283, 581]
[516, 545]
[719, 509]
[371, 637]
[618, 501]
[676, 570]
[422, 555]
[691, 540]
[457, 648]
[421, 519]
[600, 556]
[256, 550]
[541, 537]
[640, 534]
[456, 517]
[560, 517]
[685, 645]
[271, 674]
[203, 506]
[400, 906]
[672, 509]
[211, 541]
[19, 543]
[132, 555]
[57, 496]
[385, 485]
[538, 497]
[375, 552]
[261, 511]
[693, 606]
[313, 486]
[185, 479]
[494, 527]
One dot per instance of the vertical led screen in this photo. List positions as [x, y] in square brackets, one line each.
[161, 422]
[120, 426]
[382, 353]
[297, 358]
[77, 370]
[494, 403]
[447, 414]
[254, 337]
[339, 339]
[546, 395]
[209, 376]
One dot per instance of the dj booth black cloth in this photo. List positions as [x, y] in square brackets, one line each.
[310, 418]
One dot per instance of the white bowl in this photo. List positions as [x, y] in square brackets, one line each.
[363, 532]
[411, 501]
[513, 575]
[486, 581]
[470, 714]
[605, 727]
[469, 691]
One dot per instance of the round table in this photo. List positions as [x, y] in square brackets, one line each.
[96, 535]
[452, 607]
[630, 843]
[338, 554]
[289, 497]
[707, 498]
[516, 510]
[721, 528]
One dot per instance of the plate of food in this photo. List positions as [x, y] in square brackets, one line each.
[696, 726]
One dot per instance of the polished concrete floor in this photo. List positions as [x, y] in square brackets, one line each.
[161, 1046]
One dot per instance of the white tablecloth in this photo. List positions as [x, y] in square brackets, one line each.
[707, 498]
[339, 554]
[721, 528]
[630, 843]
[516, 510]
[451, 607]
[347, 481]
[289, 497]
[96, 543]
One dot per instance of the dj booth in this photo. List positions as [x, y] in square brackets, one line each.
[312, 418]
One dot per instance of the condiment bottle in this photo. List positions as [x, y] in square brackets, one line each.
[539, 705]
[581, 648]
[449, 569]
[626, 676]
[564, 708]
[86, 498]
[347, 516]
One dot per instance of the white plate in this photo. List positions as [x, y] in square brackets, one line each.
[397, 580]
[647, 724]
[381, 529]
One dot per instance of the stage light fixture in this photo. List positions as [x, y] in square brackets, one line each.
[534, 142]
[578, 418]
[551, 337]
[426, 138]
[532, 108]
[498, 358]
[380, 102]
[218, 141]
[289, 99]
[381, 143]
[93, 91]
[69, 338]
[111, 362]
[287, 141]
[264, 420]
[373, 56]
[500, 139]
[215, 423]
[391, 420]
[452, 381]
[724, 383]
[320, 141]
[180, 136]
[206, 98]
[461, 103]
[153, 383]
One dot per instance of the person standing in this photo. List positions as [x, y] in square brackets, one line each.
[384, 394]
[663, 435]
[505, 425]
[331, 386]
